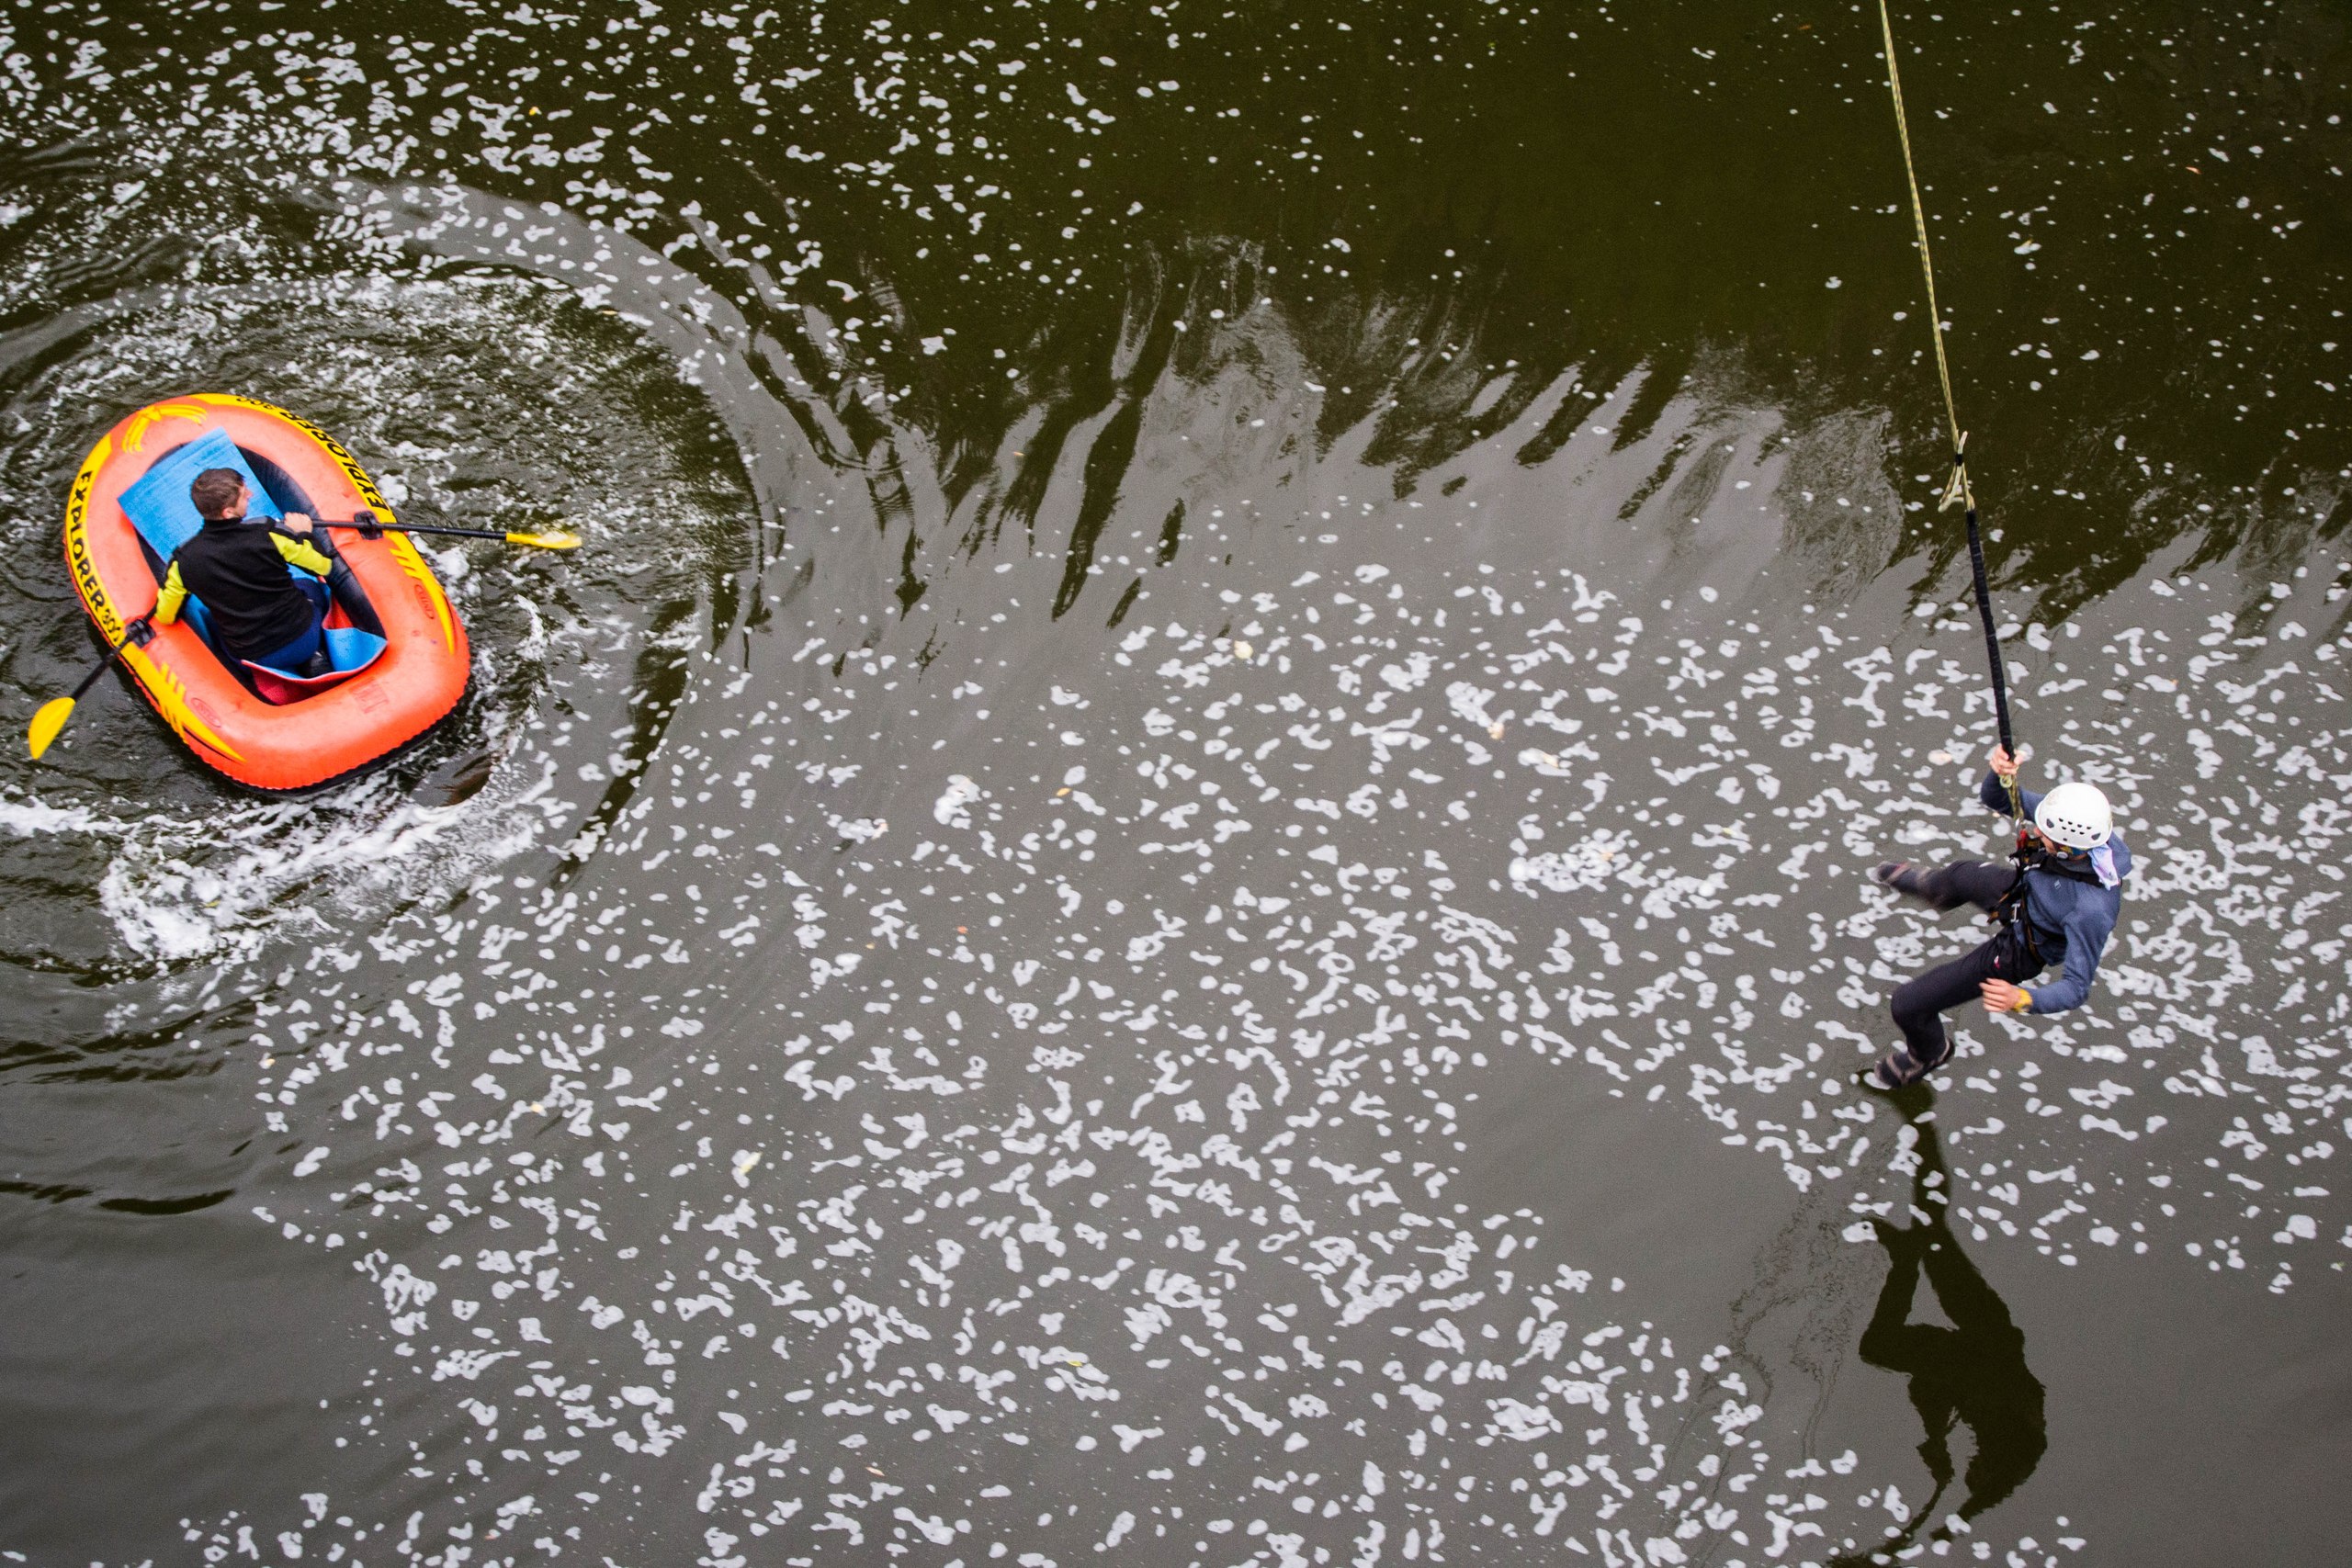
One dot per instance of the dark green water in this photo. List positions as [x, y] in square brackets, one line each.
[1181, 872]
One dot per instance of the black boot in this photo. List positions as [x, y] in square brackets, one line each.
[1900, 1069]
[1900, 876]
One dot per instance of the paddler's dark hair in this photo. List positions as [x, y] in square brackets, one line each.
[215, 490]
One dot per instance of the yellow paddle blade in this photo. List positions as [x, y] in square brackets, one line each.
[546, 541]
[48, 722]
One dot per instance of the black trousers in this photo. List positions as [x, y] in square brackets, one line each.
[1919, 1004]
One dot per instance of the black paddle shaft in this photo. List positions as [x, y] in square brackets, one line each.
[131, 634]
[370, 526]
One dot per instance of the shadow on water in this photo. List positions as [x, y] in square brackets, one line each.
[1970, 1374]
[459, 779]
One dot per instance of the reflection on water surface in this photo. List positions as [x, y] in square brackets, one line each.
[1970, 1374]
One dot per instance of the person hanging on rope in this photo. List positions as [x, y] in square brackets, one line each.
[2055, 904]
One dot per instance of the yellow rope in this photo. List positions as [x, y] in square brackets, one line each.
[1957, 490]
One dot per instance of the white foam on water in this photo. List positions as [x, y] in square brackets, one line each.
[1146, 1102]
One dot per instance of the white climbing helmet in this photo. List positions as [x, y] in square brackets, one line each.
[2075, 814]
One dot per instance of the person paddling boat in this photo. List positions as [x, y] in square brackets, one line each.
[261, 611]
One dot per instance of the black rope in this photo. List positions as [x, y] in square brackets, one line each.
[1992, 638]
[1993, 659]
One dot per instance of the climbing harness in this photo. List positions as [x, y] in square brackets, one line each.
[2020, 956]
[1957, 489]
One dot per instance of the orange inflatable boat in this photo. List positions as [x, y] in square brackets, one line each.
[401, 657]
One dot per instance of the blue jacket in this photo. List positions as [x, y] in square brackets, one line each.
[2072, 921]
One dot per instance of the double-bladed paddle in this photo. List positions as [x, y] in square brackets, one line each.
[54, 713]
[57, 710]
